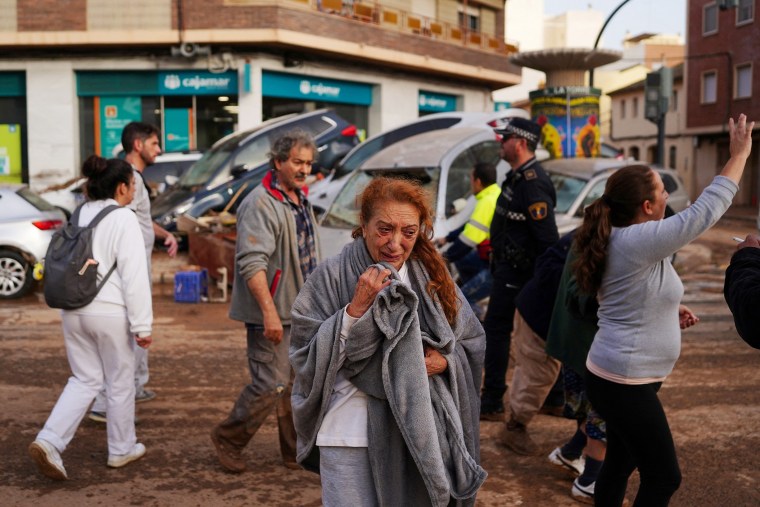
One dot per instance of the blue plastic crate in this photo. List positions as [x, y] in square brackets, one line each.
[191, 286]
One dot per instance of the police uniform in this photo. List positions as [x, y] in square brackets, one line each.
[523, 227]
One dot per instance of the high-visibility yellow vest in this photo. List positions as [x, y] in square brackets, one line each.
[478, 227]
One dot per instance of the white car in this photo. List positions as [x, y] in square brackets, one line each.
[66, 196]
[441, 160]
[322, 192]
[580, 181]
[27, 223]
[163, 173]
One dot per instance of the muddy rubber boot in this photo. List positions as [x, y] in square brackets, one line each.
[516, 438]
[287, 432]
[232, 435]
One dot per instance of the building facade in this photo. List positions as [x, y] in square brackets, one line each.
[722, 81]
[74, 73]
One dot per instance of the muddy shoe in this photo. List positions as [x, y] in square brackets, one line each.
[48, 459]
[491, 411]
[230, 457]
[120, 460]
[583, 494]
[516, 438]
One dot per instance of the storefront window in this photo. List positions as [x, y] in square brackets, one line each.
[13, 136]
[193, 109]
[215, 117]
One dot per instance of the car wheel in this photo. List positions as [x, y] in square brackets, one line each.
[15, 275]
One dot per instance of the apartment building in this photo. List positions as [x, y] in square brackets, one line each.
[631, 132]
[73, 73]
[722, 80]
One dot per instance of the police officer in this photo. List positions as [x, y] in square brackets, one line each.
[523, 227]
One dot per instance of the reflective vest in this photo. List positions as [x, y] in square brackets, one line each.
[477, 230]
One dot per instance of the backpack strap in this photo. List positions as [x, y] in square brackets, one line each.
[74, 220]
[100, 216]
[105, 278]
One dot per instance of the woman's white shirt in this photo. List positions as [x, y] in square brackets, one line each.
[345, 422]
[117, 238]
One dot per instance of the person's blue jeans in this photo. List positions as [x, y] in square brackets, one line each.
[470, 266]
[476, 280]
[477, 288]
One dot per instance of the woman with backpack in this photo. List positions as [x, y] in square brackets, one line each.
[100, 337]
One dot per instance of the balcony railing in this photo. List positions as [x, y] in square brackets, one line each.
[396, 19]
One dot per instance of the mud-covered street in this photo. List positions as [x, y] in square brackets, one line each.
[198, 366]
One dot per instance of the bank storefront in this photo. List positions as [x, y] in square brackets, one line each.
[13, 140]
[284, 92]
[192, 108]
[434, 102]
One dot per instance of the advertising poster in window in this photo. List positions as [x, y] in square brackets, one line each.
[10, 153]
[178, 123]
[569, 120]
[114, 113]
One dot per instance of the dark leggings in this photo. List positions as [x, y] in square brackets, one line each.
[638, 436]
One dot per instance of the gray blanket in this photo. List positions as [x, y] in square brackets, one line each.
[423, 431]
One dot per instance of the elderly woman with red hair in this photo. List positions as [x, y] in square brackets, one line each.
[387, 357]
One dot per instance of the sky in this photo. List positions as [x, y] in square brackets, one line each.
[636, 16]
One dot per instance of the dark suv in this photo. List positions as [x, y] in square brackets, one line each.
[239, 161]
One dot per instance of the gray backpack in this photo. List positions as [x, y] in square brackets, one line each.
[71, 273]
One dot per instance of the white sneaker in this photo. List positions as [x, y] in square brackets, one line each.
[584, 494]
[119, 460]
[576, 466]
[48, 459]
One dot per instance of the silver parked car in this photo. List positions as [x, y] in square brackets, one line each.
[27, 223]
[580, 181]
[322, 192]
[441, 160]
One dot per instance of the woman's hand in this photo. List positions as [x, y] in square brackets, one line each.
[435, 362]
[740, 134]
[686, 317]
[144, 342]
[369, 285]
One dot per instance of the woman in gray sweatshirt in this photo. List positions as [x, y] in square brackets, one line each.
[624, 248]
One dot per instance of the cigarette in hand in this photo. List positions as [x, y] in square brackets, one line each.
[738, 239]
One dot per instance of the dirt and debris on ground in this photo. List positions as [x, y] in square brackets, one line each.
[198, 365]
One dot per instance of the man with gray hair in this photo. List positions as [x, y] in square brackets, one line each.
[276, 249]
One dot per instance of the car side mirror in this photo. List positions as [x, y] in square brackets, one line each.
[239, 170]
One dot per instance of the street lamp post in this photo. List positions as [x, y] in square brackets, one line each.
[599, 36]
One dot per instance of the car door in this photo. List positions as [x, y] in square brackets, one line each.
[594, 191]
[456, 201]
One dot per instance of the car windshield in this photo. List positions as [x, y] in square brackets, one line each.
[344, 211]
[372, 146]
[200, 172]
[568, 188]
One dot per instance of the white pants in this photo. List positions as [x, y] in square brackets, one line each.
[101, 354]
[142, 375]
